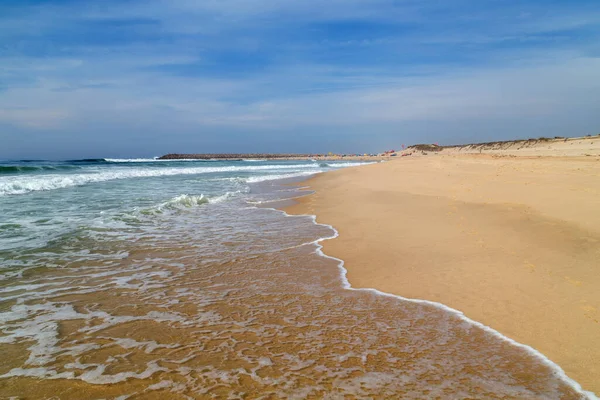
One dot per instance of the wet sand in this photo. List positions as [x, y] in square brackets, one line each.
[513, 242]
[220, 316]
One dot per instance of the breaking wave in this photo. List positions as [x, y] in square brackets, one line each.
[188, 201]
[88, 160]
[21, 185]
[185, 200]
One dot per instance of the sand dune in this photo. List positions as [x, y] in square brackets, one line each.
[560, 147]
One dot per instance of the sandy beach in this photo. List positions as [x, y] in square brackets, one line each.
[512, 241]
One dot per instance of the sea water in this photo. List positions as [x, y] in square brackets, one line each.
[179, 279]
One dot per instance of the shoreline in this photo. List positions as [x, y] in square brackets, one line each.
[175, 287]
[346, 285]
[339, 194]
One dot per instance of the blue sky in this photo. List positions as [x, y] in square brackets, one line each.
[133, 78]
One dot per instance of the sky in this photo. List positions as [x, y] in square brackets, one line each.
[140, 78]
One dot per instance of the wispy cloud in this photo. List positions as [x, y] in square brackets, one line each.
[234, 70]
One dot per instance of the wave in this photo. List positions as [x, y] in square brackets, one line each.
[17, 185]
[22, 185]
[10, 227]
[131, 160]
[88, 160]
[185, 201]
[113, 160]
[17, 169]
[13, 169]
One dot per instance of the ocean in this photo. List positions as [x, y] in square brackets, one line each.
[143, 279]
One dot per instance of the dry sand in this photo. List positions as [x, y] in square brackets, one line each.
[513, 242]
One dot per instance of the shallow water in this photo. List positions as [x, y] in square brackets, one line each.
[185, 286]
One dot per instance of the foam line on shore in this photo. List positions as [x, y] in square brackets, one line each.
[277, 200]
[347, 286]
[264, 178]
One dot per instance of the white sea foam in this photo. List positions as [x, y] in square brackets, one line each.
[263, 178]
[185, 200]
[224, 197]
[148, 346]
[97, 376]
[14, 185]
[346, 164]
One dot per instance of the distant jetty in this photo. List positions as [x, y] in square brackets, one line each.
[232, 156]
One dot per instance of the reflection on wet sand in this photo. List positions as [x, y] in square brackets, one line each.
[247, 309]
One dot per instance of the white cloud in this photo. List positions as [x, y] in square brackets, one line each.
[74, 85]
[551, 91]
[34, 118]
